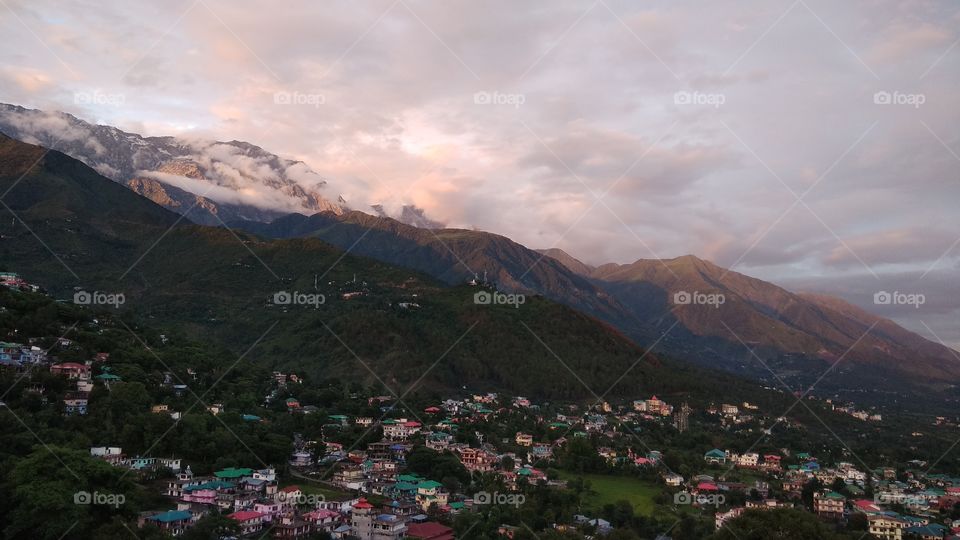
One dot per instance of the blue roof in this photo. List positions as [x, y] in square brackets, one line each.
[171, 515]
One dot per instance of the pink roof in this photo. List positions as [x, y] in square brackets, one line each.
[245, 515]
[866, 504]
[707, 486]
[411, 423]
[323, 513]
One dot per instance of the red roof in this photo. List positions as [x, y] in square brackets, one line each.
[363, 504]
[429, 531]
[69, 365]
[707, 486]
[412, 423]
[245, 515]
[432, 409]
[290, 489]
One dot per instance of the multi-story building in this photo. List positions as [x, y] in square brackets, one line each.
[888, 527]
[829, 505]
[367, 524]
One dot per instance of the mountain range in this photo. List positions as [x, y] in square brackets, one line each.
[759, 330]
[66, 227]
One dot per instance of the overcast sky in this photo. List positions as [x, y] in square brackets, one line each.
[748, 133]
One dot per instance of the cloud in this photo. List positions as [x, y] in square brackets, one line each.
[399, 125]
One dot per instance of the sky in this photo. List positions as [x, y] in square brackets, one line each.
[815, 144]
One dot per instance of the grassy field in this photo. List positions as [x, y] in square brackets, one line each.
[610, 489]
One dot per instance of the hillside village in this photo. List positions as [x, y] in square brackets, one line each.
[369, 465]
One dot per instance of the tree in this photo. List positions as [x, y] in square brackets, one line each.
[783, 524]
[212, 526]
[56, 492]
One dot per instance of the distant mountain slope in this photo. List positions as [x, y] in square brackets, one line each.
[206, 281]
[451, 255]
[792, 334]
[230, 180]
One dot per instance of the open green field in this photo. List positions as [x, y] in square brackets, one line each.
[610, 489]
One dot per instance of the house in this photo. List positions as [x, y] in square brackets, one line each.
[323, 519]
[250, 522]
[176, 486]
[932, 531]
[429, 530]
[524, 439]
[158, 409]
[540, 451]
[111, 454]
[301, 459]
[673, 480]
[888, 526]
[271, 509]
[399, 430]
[71, 370]
[75, 403]
[829, 504]
[290, 495]
[172, 522]
[715, 457]
[439, 440]
[290, 526]
[430, 493]
[477, 460]
[367, 524]
[748, 460]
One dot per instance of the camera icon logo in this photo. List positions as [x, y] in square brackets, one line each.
[82, 497]
[882, 298]
[482, 497]
[682, 498]
[483, 298]
[282, 298]
[282, 98]
[882, 98]
[482, 98]
[682, 298]
[82, 298]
